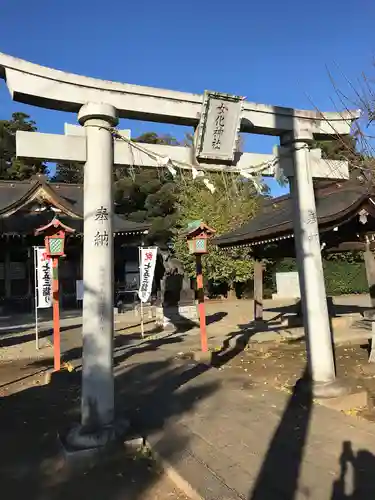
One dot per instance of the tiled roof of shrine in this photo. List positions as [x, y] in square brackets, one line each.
[336, 202]
[27, 205]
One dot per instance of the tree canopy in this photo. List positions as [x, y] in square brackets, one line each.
[140, 194]
[68, 173]
[148, 194]
[12, 168]
[233, 203]
[340, 148]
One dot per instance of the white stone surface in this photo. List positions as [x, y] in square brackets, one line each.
[56, 147]
[310, 268]
[71, 129]
[72, 147]
[50, 147]
[50, 88]
[98, 267]
[287, 285]
[320, 168]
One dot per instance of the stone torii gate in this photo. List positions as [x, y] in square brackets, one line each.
[99, 104]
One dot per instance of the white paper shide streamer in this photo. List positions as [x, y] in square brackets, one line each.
[196, 173]
[255, 179]
[165, 161]
[209, 185]
[252, 173]
[279, 174]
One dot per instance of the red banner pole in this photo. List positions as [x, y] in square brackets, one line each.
[56, 315]
[201, 305]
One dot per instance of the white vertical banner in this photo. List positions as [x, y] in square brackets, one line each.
[147, 270]
[44, 279]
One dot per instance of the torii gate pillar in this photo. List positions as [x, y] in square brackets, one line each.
[98, 321]
[310, 267]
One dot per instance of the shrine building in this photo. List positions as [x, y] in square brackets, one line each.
[346, 218]
[27, 205]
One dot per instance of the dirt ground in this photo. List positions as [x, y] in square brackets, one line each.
[281, 365]
[123, 478]
[31, 463]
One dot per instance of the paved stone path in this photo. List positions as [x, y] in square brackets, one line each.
[232, 438]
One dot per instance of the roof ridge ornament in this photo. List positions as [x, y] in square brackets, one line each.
[39, 177]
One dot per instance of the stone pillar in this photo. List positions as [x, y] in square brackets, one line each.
[80, 262]
[258, 290]
[98, 322]
[369, 259]
[29, 273]
[310, 268]
[7, 271]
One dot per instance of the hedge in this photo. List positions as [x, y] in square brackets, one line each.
[341, 277]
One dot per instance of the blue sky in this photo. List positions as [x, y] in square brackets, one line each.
[272, 52]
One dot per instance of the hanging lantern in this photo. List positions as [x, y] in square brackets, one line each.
[197, 236]
[54, 238]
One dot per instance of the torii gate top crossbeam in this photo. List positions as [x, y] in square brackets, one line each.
[49, 88]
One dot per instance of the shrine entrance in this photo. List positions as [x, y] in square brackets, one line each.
[217, 119]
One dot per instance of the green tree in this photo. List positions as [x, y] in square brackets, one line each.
[69, 173]
[149, 194]
[141, 194]
[232, 204]
[12, 168]
[342, 148]
[154, 138]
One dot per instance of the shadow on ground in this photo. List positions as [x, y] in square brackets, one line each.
[11, 339]
[32, 466]
[280, 473]
[125, 346]
[334, 309]
[215, 317]
[356, 481]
